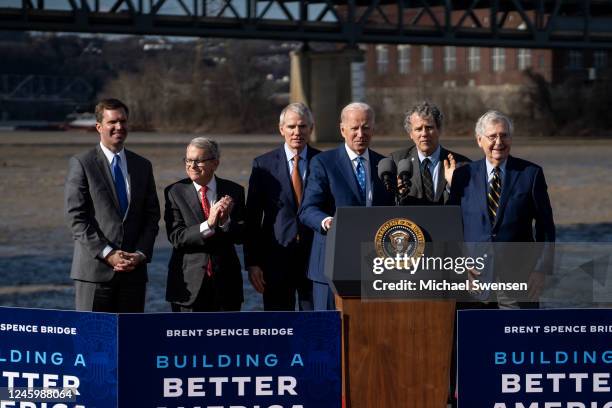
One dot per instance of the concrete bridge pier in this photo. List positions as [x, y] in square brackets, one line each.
[326, 81]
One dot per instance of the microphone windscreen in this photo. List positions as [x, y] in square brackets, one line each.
[404, 167]
[386, 165]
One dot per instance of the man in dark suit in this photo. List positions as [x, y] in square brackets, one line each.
[430, 163]
[343, 177]
[277, 245]
[204, 218]
[503, 198]
[113, 211]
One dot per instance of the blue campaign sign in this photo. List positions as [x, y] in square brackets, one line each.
[535, 358]
[248, 359]
[56, 349]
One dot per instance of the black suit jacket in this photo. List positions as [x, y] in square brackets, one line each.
[93, 214]
[272, 221]
[415, 194]
[190, 251]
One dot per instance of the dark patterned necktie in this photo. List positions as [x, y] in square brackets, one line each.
[494, 194]
[428, 189]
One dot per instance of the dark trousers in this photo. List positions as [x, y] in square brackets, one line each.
[286, 279]
[206, 301]
[280, 294]
[119, 295]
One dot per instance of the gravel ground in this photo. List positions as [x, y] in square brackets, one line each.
[36, 248]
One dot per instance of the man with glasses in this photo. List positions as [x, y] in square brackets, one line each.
[204, 217]
[503, 198]
[113, 211]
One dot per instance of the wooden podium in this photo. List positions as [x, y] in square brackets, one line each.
[396, 353]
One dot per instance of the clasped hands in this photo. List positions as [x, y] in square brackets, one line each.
[220, 211]
[123, 261]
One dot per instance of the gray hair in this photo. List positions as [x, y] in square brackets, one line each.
[298, 108]
[358, 106]
[424, 109]
[209, 145]
[492, 116]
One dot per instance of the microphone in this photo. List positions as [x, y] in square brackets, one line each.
[387, 173]
[404, 170]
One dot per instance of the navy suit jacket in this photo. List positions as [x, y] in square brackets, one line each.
[272, 221]
[524, 213]
[332, 183]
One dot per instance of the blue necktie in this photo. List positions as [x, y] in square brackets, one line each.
[361, 177]
[120, 187]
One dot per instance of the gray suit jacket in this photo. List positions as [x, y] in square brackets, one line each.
[92, 212]
[415, 194]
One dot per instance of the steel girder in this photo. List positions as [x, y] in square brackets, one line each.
[498, 23]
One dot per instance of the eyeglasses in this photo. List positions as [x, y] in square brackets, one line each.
[198, 163]
[493, 138]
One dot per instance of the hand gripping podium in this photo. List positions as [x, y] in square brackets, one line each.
[396, 353]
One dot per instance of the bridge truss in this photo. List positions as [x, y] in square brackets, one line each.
[502, 23]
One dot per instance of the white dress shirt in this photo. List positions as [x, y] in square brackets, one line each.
[211, 196]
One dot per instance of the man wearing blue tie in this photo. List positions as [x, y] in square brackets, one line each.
[112, 210]
[343, 177]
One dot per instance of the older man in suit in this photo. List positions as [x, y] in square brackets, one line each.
[113, 212]
[430, 164]
[504, 199]
[277, 245]
[204, 217]
[343, 177]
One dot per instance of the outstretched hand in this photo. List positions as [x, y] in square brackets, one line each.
[450, 164]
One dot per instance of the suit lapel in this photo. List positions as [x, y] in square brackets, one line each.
[310, 153]
[346, 169]
[106, 175]
[509, 179]
[133, 175]
[417, 182]
[479, 180]
[378, 189]
[441, 184]
[282, 169]
[193, 200]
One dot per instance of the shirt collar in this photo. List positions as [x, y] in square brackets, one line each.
[289, 154]
[212, 185]
[434, 157]
[109, 155]
[352, 155]
[490, 167]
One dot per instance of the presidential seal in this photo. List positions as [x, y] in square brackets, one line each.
[399, 237]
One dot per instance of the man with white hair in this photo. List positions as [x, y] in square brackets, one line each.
[342, 177]
[277, 245]
[504, 199]
[204, 217]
